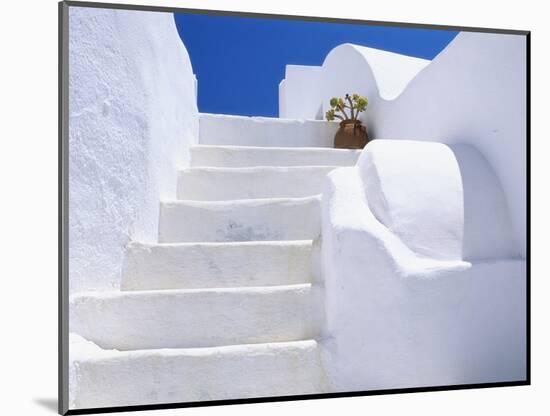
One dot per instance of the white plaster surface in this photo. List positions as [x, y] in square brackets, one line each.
[415, 190]
[473, 93]
[132, 117]
[488, 227]
[418, 266]
[282, 98]
[300, 93]
[250, 156]
[122, 378]
[203, 265]
[196, 317]
[240, 220]
[230, 130]
[218, 184]
[402, 317]
[380, 75]
[443, 202]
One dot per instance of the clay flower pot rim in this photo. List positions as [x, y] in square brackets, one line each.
[344, 122]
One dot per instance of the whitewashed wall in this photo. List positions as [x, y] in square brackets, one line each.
[403, 306]
[473, 92]
[133, 115]
[380, 75]
[422, 243]
[300, 93]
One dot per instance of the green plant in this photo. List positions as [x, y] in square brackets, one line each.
[355, 104]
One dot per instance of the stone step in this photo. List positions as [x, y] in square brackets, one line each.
[221, 129]
[125, 378]
[221, 265]
[273, 219]
[249, 156]
[196, 317]
[218, 184]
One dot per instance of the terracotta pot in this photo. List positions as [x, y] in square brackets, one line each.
[351, 135]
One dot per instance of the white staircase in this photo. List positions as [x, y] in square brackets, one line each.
[224, 306]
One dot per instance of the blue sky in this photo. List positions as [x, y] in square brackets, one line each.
[239, 61]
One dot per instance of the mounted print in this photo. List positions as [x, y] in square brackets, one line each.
[264, 207]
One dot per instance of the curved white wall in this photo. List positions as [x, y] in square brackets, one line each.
[422, 240]
[132, 117]
[378, 74]
[473, 92]
[410, 311]
[415, 190]
[443, 201]
[373, 72]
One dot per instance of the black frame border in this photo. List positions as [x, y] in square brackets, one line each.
[63, 210]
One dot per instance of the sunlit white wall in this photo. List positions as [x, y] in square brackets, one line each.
[133, 115]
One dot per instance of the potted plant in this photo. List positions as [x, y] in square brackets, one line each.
[351, 134]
